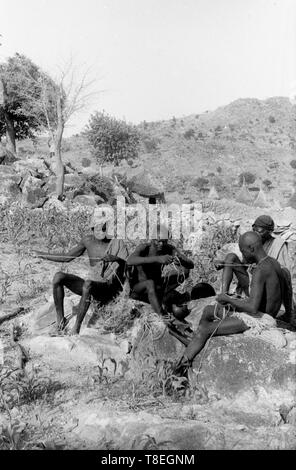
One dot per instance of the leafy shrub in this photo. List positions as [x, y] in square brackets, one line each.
[248, 177]
[189, 133]
[200, 182]
[150, 143]
[293, 164]
[271, 119]
[86, 162]
[267, 183]
[112, 140]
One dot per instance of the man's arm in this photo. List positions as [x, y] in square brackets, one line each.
[137, 258]
[252, 304]
[75, 252]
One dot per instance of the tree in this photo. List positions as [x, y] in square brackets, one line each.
[54, 103]
[248, 177]
[112, 140]
[17, 118]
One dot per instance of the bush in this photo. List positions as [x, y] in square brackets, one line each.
[267, 183]
[150, 143]
[86, 162]
[200, 182]
[293, 164]
[248, 177]
[112, 140]
[271, 119]
[189, 134]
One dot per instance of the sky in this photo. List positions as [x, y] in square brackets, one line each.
[155, 59]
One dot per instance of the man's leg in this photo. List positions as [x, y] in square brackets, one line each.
[60, 281]
[148, 288]
[208, 327]
[238, 269]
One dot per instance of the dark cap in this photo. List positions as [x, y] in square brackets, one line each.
[264, 221]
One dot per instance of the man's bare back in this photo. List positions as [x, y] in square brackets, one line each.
[266, 297]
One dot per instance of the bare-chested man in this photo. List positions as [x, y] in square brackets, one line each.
[256, 311]
[107, 260]
[275, 247]
[147, 282]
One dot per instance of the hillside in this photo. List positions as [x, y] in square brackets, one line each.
[246, 135]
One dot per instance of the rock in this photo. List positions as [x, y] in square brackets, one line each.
[86, 200]
[88, 349]
[33, 193]
[32, 165]
[43, 319]
[9, 185]
[238, 365]
[72, 181]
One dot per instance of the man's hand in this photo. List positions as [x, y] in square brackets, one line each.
[165, 259]
[223, 299]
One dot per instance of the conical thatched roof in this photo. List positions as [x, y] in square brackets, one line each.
[213, 194]
[145, 184]
[261, 199]
[244, 194]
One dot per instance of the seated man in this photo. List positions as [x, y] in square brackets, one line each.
[105, 280]
[257, 311]
[147, 282]
[275, 247]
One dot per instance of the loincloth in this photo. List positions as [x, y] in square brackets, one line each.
[264, 321]
[94, 273]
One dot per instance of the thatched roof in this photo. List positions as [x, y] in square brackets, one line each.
[244, 194]
[261, 200]
[213, 194]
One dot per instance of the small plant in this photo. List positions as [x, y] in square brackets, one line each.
[189, 134]
[249, 177]
[293, 164]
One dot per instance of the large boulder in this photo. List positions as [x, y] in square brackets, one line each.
[9, 184]
[33, 192]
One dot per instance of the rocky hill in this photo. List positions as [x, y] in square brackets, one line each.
[246, 135]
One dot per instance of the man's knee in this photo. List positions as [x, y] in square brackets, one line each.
[150, 286]
[58, 278]
[232, 258]
[207, 315]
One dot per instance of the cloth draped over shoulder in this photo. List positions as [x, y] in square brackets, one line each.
[106, 272]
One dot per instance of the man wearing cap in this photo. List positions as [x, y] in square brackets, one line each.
[276, 247]
[107, 258]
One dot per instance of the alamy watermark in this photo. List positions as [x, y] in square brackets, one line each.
[147, 221]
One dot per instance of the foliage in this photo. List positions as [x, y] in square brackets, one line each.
[293, 164]
[150, 143]
[189, 133]
[267, 183]
[22, 80]
[58, 229]
[112, 140]
[99, 185]
[200, 182]
[249, 177]
[85, 162]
